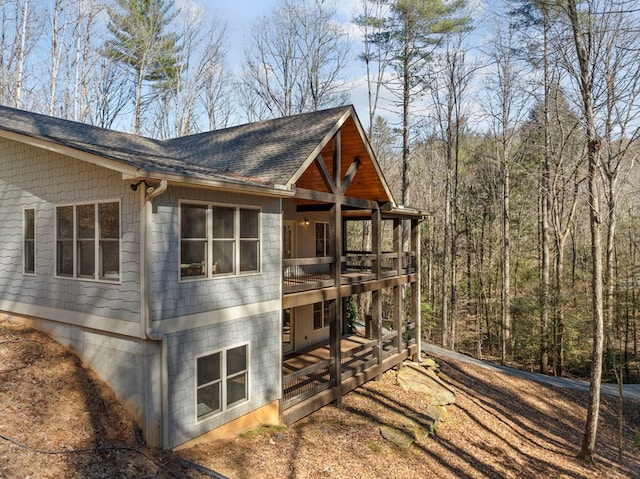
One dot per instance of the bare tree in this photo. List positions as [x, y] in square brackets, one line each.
[579, 24]
[603, 66]
[507, 103]
[20, 25]
[449, 77]
[295, 60]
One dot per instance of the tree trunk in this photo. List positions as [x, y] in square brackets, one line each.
[595, 220]
[506, 260]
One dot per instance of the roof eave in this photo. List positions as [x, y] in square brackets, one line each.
[98, 160]
[278, 191]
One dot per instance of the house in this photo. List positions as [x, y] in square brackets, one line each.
[208, 279]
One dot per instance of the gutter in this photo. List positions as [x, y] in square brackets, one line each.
[147, 194]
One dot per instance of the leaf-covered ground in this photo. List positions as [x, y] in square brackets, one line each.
[57, 420]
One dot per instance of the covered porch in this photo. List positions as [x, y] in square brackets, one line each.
[345, 239]
[320, 374]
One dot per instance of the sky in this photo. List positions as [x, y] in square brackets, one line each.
[240, 16]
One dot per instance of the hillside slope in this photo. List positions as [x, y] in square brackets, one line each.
[57, 420]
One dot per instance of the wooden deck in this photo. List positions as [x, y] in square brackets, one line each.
[307, 382]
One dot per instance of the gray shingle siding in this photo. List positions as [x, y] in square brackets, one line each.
[262, 333]
[35, 178]
[173, 298]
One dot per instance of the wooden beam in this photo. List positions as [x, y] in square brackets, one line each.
[351, 173]
[312, 195]
[325, 175]
[337, 159]
[322, 197]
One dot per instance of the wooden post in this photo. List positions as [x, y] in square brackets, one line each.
[397, 291]
[335, 238]
[415, 286]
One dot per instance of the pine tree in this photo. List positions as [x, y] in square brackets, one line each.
[141, 42]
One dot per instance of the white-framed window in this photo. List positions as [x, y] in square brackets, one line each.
[222, 381]
[322, 314]
[322, 235]
[29, 233]
[218, 240]
[88, 241]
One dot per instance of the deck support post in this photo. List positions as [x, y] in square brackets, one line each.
[415, 287]
[335, 249]
[398, 308]
[376, 298]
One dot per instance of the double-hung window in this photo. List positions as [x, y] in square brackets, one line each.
[88, 241]
[222, 381]
[29, 231]
[218, 240]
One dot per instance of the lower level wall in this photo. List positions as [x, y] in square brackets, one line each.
[261, 335]
[133, 368]
[130, 366]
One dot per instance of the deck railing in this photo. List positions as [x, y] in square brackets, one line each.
[303, 274]
[306, 382]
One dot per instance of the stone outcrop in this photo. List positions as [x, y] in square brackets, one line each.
[421, 378]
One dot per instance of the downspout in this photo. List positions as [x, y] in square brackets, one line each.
[147, 194]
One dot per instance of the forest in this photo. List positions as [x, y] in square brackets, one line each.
[513, 123]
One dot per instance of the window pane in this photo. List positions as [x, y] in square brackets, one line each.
[208, 369]
[208, 399]
[64, 222]
[249, 255]
[328, 313]
[236, 360]
[321, 246]
[110, 260]
[223, 257]
[236, 389]
[29, 257]
[249, 223]
[29, 224]
[29, 241]
[193, 221]
[193, 258]
[317, 315]
[64, 258]
[86, 258]
[86, 221]
[109, 214]
[223, 222]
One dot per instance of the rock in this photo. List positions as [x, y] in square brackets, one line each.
[414, 377]
[438, 413]
[400, 437]
[428, 362]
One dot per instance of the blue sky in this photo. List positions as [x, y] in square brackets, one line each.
[240, 16]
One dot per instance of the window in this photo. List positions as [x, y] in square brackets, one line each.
[88, 241]
[29, 241]
[222, 381]
[322, 232]
[229, 236]
[322, 313]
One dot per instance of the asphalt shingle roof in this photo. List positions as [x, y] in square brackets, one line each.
[264, 153]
